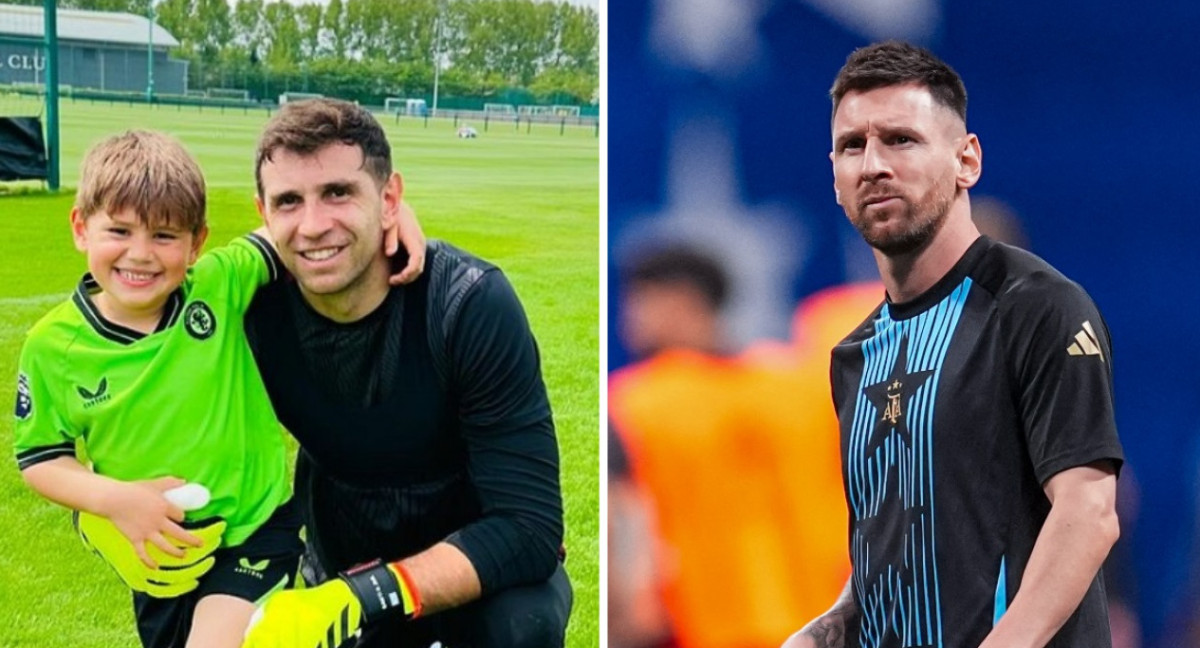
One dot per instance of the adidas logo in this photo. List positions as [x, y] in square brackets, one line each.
[1086, 343]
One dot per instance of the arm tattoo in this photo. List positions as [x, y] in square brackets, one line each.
[828, 632]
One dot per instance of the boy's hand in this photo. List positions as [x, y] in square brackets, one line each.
[319, 617]
[141, 513]
[175, 575]
[407, 232]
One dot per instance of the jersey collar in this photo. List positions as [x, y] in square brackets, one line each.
[944, 286]
[111, 330]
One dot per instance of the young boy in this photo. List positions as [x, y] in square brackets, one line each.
[148, 364]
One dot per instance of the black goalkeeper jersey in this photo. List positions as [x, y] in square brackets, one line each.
[427, 420]
[955, 408]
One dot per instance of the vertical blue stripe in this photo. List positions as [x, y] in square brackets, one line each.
[879, 353]
[912, 611]
[1001, 594]
[925, 579]
[958, 299]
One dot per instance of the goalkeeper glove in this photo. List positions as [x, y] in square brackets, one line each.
[327, 615]
[174, 576]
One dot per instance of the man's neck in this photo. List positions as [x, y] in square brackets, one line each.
[908, 276]
[357, 300]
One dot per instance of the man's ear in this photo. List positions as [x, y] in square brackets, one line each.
[391, 195]
[78, 229]
[970, 162]
[837, 195]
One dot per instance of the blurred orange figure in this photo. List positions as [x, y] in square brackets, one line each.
[739, 455]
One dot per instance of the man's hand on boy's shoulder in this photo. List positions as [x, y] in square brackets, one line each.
[406, 233]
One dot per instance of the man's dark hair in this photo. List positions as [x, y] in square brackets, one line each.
[679, 264]
[895, 63]
[305, 127]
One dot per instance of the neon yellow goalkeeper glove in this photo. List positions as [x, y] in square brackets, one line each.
[174, 576]
[327, 615]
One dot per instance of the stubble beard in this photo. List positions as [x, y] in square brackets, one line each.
[921, 221]
[346, 282]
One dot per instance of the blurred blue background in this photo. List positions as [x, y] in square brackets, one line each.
[1089, 117]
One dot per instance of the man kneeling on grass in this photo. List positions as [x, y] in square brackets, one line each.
[428, 472]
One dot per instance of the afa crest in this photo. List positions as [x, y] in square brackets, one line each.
[892, 411]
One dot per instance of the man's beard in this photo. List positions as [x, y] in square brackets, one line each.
[920, 222]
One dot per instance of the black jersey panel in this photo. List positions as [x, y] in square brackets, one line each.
[361, 397]
[1063, 362]
[352, 523]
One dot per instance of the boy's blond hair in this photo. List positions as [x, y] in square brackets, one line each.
[148, 173]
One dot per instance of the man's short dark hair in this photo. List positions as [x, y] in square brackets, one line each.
[895, 63]
[305, 127]
[679, 264]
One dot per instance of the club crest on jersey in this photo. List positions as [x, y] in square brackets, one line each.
[24, 397]
[199, 320]
[96, 397]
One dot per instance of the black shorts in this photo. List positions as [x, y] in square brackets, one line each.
[265, 562]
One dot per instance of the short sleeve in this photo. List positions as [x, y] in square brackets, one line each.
[240, 267]
[42, 429]
[1062, 364]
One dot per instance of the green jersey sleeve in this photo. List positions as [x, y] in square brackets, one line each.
[241, 267]
[42, 429]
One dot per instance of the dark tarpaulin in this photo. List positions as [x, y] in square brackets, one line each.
[22, 149]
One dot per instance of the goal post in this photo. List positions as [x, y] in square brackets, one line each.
[557, 110]
[239, 94]
[297, 96]
[499, 109]
[404, 106]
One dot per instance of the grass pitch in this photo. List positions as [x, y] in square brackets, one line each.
[525, 201]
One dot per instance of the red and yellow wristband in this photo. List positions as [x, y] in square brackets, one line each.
[409, 593]
[382, 588]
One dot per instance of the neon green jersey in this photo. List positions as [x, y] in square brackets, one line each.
[186, 400]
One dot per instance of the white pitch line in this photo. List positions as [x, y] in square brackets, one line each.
[33, 300]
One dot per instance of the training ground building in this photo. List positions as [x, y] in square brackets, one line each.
[96, 50]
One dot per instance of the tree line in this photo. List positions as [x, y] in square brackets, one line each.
[371, 49]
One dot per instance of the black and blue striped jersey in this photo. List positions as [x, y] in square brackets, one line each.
[955, 409]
